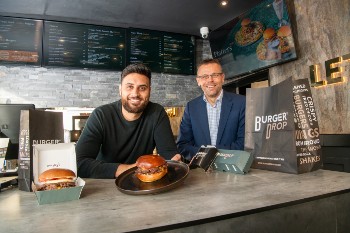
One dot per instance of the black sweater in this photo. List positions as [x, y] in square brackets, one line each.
[109, 140]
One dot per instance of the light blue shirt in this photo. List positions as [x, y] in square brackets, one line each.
[214, 117]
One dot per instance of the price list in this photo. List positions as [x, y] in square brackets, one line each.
[162, 51]
[85, 46]
[20, 41]
[146, 46]
[178, 54]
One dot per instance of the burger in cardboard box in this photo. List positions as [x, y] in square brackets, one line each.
[56, 178]
[54, 170]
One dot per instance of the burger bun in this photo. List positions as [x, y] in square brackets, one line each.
[150, 161]
[284, 31]
[269, 33]
[245, 22]
[55, 175]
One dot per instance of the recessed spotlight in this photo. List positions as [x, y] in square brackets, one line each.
[223, 2]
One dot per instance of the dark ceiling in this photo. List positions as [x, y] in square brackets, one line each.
[181, 16]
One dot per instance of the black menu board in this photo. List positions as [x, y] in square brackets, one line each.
[20, 41]
[145, 46]
[82, 45]
[162, 51]
[178, 53]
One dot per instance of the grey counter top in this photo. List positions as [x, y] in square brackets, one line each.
[203, 197]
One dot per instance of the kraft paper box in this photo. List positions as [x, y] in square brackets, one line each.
[47, 156]
[235, 161]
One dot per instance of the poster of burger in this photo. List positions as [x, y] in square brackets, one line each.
[259, 38]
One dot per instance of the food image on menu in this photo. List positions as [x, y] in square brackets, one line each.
[19, 56]
[275, 46]
[249, 32]
[285, 39]
[268, 49]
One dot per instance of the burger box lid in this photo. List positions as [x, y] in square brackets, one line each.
[61, 155]
[235, 161]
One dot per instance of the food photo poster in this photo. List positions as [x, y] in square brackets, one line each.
[259, 38]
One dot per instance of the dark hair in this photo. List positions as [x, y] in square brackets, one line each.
[138, 68]
[208, 61]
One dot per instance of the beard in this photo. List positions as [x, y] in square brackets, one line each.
[132, 108]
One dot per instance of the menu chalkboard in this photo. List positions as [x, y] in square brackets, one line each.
[20, 41]
[84, 46]
[162, 51]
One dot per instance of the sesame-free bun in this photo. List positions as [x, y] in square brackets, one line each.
[150, 161]
[245, 22]
[151, 168]
[269, 33]
[284, 31]
[57, 174]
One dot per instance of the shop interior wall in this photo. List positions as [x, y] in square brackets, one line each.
[64, 88]
[322, 30]
[87, 88]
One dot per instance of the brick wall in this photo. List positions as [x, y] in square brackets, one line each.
[60, 87]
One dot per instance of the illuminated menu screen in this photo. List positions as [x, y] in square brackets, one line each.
[85, 46]
[162, 51]
[20, 41]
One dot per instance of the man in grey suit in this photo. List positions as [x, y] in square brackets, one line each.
[215, 118]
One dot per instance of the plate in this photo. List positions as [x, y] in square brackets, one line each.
[128, 183]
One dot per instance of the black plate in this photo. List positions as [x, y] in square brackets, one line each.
[128, 183]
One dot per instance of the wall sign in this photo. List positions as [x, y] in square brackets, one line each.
[334, 71]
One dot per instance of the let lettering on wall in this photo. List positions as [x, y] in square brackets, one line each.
[334, 71]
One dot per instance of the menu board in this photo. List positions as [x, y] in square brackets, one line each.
[84, 46]
[178, 54]
[162, 51]
[20, 41]
[147, 47]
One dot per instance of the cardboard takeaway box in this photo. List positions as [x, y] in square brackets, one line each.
[235, 161]
[61, 155]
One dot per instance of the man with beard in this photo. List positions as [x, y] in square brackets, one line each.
[216, 118]
[116, 134]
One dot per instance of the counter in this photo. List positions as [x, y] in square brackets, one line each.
[261, 201]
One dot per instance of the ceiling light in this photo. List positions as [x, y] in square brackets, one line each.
[223, 2]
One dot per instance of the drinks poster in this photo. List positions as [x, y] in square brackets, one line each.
[257, 39]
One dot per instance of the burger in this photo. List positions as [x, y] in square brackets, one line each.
[269, 34]
[151, 168]
[247, 27]
[286, 39]
[56, 178]
[245, 22]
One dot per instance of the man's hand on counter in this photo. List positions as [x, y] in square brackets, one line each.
[176, 157]
[123, 167]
